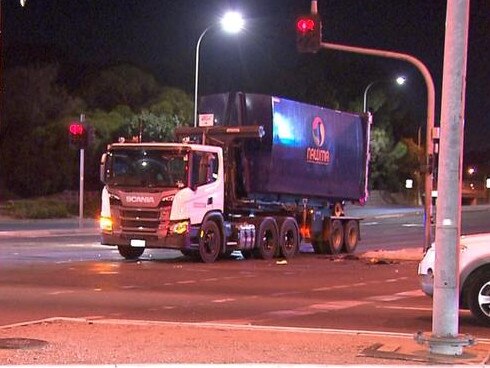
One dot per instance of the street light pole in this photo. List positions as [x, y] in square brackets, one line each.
[196, 82]
[231, 22]
[400, 80]
[364, 105]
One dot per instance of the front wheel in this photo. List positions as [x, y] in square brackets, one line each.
[131, 253]
[209, 241]
[478, 296]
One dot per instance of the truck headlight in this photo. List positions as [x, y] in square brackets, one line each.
[179, 227]
[105, 223]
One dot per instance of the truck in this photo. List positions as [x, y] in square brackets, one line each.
[258, 174]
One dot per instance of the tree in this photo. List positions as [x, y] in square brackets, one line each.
[119, 85]
[383, 165]
[34, 154]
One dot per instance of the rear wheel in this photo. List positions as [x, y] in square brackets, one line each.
[209, 241]
[336, 237]
[289, 238]
[130, 252]
[478, 296]
[267, 239]
[351, 236]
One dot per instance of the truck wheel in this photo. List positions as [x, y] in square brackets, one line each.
[209, 241]
[130, 252]
[267, 239]
[289, 238]
[478, 296]
[351, 236]
[336, 237]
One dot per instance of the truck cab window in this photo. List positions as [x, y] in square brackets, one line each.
[204, 168]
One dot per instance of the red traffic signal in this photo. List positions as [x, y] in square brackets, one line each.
[77, 129]
[308, 33]
[77, 134]
[305, 25]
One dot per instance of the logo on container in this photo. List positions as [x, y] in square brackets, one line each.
[318, 130]
[317, 155]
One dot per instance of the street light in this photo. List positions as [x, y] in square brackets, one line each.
[400, 80]
[231, 22]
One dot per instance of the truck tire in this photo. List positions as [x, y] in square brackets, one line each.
[289, 238]
[209, 241]
[130, 252]
[267, 239]
[336, 237]
[478, 295]
[351, 236]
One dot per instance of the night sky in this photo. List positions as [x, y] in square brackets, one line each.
[161, 36]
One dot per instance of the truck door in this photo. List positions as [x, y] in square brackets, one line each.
[207, 185]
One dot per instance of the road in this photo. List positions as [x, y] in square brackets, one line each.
[73, 276]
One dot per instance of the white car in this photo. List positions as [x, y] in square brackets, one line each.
[474, 275]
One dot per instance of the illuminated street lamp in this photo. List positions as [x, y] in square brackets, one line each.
[400, 80]
[231, 22]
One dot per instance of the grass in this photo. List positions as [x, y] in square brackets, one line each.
[47, 208]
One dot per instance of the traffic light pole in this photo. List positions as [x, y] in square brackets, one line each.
[81, 186]
[80, 197]
[428, 237]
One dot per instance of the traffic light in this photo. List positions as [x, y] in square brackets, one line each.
[308, 33]
[78, 135]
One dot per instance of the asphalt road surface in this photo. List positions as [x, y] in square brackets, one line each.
[73, 276]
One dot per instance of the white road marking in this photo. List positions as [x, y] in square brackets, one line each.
[226, 300]
[186, 282]
[413, 225]
[411, 293]
[425, 309]
[336, 305]
[59, 292]
[397, 296]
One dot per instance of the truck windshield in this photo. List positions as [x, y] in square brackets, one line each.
[147, 168]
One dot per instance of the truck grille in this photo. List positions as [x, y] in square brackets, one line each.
[143, 221]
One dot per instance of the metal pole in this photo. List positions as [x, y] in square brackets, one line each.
[364, 105]
[82, 170]
[448, 226]
[196, 82]
[430, 117]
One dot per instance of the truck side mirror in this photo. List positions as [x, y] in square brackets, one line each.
[102, 169]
